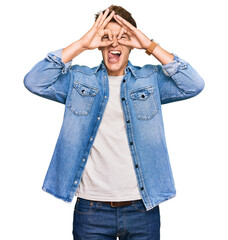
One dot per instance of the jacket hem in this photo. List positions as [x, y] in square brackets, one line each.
[161, 201]
[56, 195]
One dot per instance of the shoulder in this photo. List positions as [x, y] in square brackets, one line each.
[84, 69]
[144, 71]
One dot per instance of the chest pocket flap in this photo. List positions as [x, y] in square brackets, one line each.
[144, 102]
[85, 90]
[142, 94]
[81, 98]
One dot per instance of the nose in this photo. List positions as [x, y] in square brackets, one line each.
[115, 42]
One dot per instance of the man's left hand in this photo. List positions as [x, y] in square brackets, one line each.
[137, 38]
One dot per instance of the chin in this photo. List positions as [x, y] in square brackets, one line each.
[114, 70]
[113, 67]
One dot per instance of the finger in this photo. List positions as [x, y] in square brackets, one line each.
[122, 31]
[108, 31]
[98, 19]
[129, 31]
[125, 30]
[120, 23]
[106, 44]
[126, 23]
[125, 42]
[107, 20]
[103, 17]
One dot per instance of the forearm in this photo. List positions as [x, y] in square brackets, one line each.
[178, 80]
[71, 51]
[47, 80]
[162, 55]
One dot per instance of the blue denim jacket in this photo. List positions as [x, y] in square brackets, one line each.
[85, 93]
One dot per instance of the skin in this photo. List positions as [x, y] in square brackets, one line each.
[91, 40]
[116, 69]
[119, 35]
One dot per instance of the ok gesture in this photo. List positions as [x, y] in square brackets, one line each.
[93, 38]
[137, 38]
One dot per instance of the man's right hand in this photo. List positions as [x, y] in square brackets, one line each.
[93, 38]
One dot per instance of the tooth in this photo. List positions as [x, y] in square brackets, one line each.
[115, 52]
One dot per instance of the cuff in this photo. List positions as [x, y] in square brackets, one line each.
[56, 56]
[171, 68]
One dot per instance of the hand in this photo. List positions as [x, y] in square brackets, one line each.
[93, 38]
[137, 38]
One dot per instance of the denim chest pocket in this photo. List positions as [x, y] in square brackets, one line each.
[144, 102]
[81, 98]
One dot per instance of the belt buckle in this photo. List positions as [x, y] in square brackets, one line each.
[114, 204]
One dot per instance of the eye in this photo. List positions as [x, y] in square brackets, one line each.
[104, 37]
[124, 36]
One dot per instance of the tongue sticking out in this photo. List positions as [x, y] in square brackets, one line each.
[113, 57]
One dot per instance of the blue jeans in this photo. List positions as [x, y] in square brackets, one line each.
[100, 221]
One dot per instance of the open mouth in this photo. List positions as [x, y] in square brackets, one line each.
[113, 56]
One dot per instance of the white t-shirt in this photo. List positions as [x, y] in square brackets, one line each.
[109, 173]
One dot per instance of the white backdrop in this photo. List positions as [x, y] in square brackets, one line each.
[196, 129]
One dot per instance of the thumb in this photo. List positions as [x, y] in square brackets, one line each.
[106, 43]
[124, 42]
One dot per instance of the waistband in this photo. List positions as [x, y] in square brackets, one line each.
[114, 204]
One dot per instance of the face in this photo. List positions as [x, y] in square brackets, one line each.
[115, 56]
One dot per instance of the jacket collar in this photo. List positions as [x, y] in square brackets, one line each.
[129, 67]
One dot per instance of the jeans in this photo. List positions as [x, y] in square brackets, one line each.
[100, 221]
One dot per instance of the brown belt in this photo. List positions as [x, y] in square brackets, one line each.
[117, 204]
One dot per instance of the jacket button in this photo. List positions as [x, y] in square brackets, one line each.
[124, 80]
[131, 143]
[75, 181]
[136, 165]
[128, 121]
[123, 99]
[142, 188]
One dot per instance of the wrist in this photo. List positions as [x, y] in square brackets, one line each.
[147, 44]
[151, 47]
[83, 46]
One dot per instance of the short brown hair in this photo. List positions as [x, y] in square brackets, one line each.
[121, 12]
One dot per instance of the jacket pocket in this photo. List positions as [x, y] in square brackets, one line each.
[81, 98]
[144, 102]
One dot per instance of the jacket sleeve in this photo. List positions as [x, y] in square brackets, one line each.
[50, 78]
[178, 80]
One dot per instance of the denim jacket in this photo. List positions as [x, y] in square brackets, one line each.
[85, 93]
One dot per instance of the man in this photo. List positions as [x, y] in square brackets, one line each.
[111, 151]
